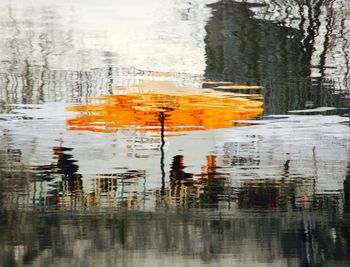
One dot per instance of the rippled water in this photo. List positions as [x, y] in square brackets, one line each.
[174, 133]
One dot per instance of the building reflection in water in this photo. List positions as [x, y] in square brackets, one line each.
[299, 61]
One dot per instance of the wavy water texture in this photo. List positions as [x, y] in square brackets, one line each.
[174, 132]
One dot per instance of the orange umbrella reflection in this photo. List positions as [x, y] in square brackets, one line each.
[152, 111]
[161, 107]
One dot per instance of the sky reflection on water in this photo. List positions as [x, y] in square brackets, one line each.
[174, 133]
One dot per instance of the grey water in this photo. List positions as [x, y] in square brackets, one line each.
[174, 133]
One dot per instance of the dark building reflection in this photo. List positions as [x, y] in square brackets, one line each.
[247, 50]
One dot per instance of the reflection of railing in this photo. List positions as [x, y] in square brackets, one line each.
[210, 188]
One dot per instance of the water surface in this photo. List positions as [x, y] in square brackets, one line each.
[174, 133]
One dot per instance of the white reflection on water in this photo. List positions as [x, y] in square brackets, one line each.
[157, 35]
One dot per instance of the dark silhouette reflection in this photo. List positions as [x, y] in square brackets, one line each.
[197, 190]
[177, 173]
[66, 166]
[246, 50]
[347, 191]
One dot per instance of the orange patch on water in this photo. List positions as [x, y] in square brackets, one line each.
[151, 111]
